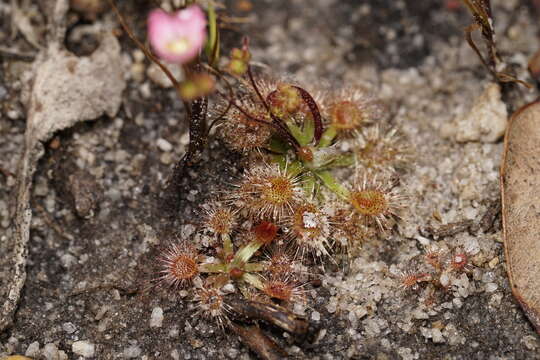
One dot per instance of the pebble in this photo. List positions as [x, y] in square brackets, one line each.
[166, 158]
[494, 262]
[156, 320]
[145, 90]
[67, 260]
[32, 350]
[444, 279]
[530, 342]
[13, 114]
[164, 145]
[458, 303]
[437, 336]
[486, 121]
[69, 327]
[228, 289]
[491, 287]
[299, 309]
[132, 352]
[83, 348]
[50, 352]
[175, 355]
[137, 72]
[11, 344]
[315, 316]
[332, 307]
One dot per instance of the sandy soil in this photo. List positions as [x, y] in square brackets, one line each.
[411, 53]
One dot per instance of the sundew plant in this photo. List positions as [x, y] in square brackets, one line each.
[322, 175]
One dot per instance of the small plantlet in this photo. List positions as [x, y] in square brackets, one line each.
[179, 266]
[352, 109]
[242, 133]
[434, 257]
[268, 191]
[411, 279]
[375, 201]
[351, 230]
[459, 261]
[211, 305]
[279, 263]
[283, 288]
[220, 219]
[310, 229]
[381, 150]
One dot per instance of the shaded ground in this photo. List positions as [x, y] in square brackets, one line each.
[412, 54]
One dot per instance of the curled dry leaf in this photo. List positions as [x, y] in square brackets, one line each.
[65, 90]
[520, 181]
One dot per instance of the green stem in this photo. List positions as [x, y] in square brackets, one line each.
[212, 45]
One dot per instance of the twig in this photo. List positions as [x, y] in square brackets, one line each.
[14, 54]
[104, 287]
[52, 224]
[488, 220]
[258, 342]
[448, 229]
[270, 313]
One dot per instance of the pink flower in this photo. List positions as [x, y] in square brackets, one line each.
[178, 37]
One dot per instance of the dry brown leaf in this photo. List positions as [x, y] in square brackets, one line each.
[520, 191]
[65, 90]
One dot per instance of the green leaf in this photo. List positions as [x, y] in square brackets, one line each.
[328, 136]
[342, 160]
[227, 246]
[213, 268]
[253, 280]
[297, 133]
[331, 183]
[277, 145]
[245, 253]
[309, 184]
[254, 267]
[295, 168]
[308, 131]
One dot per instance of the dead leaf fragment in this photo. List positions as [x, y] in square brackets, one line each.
[520, 184]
